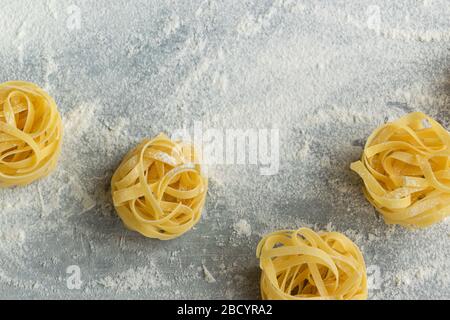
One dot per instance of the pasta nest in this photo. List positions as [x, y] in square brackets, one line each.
[159, 189]
[30, 133]
[302, 265]
[406, 171]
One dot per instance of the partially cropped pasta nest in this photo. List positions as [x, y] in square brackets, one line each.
[159, 189]
[406, 171]
[303, 265]
[30, 133]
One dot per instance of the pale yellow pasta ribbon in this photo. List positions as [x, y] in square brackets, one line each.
[159, 189]
[406, 171]
[30, 133]
[303, 265]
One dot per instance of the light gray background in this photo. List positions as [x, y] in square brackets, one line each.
[323, 72]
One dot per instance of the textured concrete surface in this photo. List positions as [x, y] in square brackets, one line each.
[325, 73]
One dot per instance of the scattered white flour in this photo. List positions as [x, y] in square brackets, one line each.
[133, 279]
[402, 279]
[80, 120]
[243, 228]
[87, 202]
[52, 8]
[51, 69]
[208, 276]
[16, 237]
[172, 25]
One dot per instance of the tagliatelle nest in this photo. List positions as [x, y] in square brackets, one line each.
[159, 189]
[30, 133]
[302, 264]
[406, 171]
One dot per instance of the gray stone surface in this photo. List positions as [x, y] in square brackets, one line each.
[325, 73]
